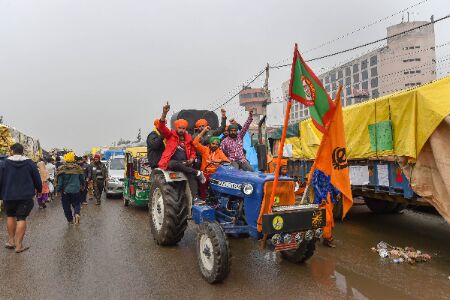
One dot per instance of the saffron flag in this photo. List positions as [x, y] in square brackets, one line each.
[329, 175]
[306, 88]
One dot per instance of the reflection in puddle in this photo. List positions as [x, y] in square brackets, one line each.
[352, 285]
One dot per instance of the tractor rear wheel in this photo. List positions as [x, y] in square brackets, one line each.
[301, 254]
[213, 252]
[168, 210]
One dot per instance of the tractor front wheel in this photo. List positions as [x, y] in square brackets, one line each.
[213, 252]
[168, 210]
[301, 254]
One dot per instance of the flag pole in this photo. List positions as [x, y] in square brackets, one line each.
[280, 154]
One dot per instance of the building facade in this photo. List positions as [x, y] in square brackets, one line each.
[407, 60]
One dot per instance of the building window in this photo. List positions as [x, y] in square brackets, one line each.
[355, 68]
[418, 71]
[307, 113]
[348, 102]
[375, 93]
[418, 83]
[417, 59]
[349, 91]
[341, 82]
[365, 85]
[365, 75]
[340, 74]
[347, 71]
[348, 80]
[334, 95]
[327, 88]
[373, 61]
[374, 82]
[373, 72]
[355, 78]
[301, 114]
[356, 86]
[334, 86]
[327, 79]
[333, 77]
[364, 64]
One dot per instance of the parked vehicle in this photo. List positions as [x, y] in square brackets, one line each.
[136, 184]
[114, 181]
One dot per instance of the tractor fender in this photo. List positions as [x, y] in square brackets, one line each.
[170, 176]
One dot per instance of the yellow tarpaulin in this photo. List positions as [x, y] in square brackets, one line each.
[414, 114]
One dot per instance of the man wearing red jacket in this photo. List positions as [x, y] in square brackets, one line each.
[179, 154]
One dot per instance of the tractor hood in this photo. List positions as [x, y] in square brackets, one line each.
[232, 181]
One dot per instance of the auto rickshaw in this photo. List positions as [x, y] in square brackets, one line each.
[136, 184]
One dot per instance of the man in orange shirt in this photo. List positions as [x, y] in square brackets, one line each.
[210, 154]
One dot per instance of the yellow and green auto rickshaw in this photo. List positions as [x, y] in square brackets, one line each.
[136, 184]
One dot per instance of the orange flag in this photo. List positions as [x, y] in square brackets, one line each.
[331, 161]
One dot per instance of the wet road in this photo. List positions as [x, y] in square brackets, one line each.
[111, 255]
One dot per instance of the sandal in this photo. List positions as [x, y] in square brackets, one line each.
[22, 250]
[9, 246]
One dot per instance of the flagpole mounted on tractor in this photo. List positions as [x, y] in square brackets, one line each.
[283, 135]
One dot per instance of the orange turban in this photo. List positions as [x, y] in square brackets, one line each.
[181, 123]
[201, 122]
[156, 122]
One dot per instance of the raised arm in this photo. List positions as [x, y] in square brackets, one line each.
[162, 127]
[223, 124]
[246, 124]
[197, 141]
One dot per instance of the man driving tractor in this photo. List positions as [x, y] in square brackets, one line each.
[179, 154]
[212, 156]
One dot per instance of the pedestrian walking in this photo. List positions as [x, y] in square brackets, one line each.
[19, 180]
[51, 169]
[87, 177]
[70, 177]
[98, 178]
[43, 196]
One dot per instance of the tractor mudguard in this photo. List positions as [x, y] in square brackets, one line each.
[171, 176]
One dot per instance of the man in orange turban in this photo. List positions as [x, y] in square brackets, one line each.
[179, 154]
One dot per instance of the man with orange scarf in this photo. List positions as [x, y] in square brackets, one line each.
[179, 154]
[211, 155]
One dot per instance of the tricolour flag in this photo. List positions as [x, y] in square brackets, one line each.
[306, 88]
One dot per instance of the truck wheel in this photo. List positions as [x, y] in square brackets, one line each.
[399, 208]
[168, 211]
[382, 206]
[301, 254]
[126, 202]
[213, 252]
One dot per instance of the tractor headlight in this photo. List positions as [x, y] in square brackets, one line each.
[299, 238]
[287, 238]
[309, 235]
[276, 239]
[247, 189]
[319, 232]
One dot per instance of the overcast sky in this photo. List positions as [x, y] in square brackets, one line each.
[83, 73]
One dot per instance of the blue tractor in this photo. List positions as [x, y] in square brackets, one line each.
[238, 205]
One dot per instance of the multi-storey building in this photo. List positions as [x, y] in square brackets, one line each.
[407, 60]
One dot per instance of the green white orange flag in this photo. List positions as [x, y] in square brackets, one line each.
[306, 88]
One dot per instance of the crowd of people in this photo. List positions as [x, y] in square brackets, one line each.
[199, 155]
[22, 180]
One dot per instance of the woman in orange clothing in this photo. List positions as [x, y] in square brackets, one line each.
[210, 154]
